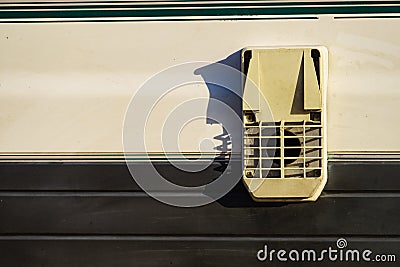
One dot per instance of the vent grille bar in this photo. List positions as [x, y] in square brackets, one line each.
[280, 149]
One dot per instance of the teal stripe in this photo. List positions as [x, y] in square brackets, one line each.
[191, 5]
[140, 13]
[164, 19]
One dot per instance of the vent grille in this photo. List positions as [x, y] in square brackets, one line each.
[283, 150]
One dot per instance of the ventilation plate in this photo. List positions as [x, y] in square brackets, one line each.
[284, 148]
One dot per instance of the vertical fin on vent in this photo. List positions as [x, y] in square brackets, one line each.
[253, 70]
[312, 92]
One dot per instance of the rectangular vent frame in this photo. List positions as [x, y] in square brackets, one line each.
[285, 159]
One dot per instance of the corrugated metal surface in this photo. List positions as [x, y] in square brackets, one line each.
[76, 214]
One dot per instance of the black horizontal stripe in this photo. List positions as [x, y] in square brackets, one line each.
[139, 194]
[184, 4]
[236, 213]
[185, 252]
[143, 20]
[348, 175]
[200, 238]
[368, 17]
[215, 10]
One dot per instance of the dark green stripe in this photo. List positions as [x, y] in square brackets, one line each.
[144, 19]
[369, 17]
[193, 4]
[365, 9]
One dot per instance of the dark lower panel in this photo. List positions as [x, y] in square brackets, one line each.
[93, 176]
[364, 175]
[185, 252]
[344, 175]
[235, 214]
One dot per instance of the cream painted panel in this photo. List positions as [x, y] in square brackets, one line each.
[65, 87]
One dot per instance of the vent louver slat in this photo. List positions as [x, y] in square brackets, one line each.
[302, 157]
